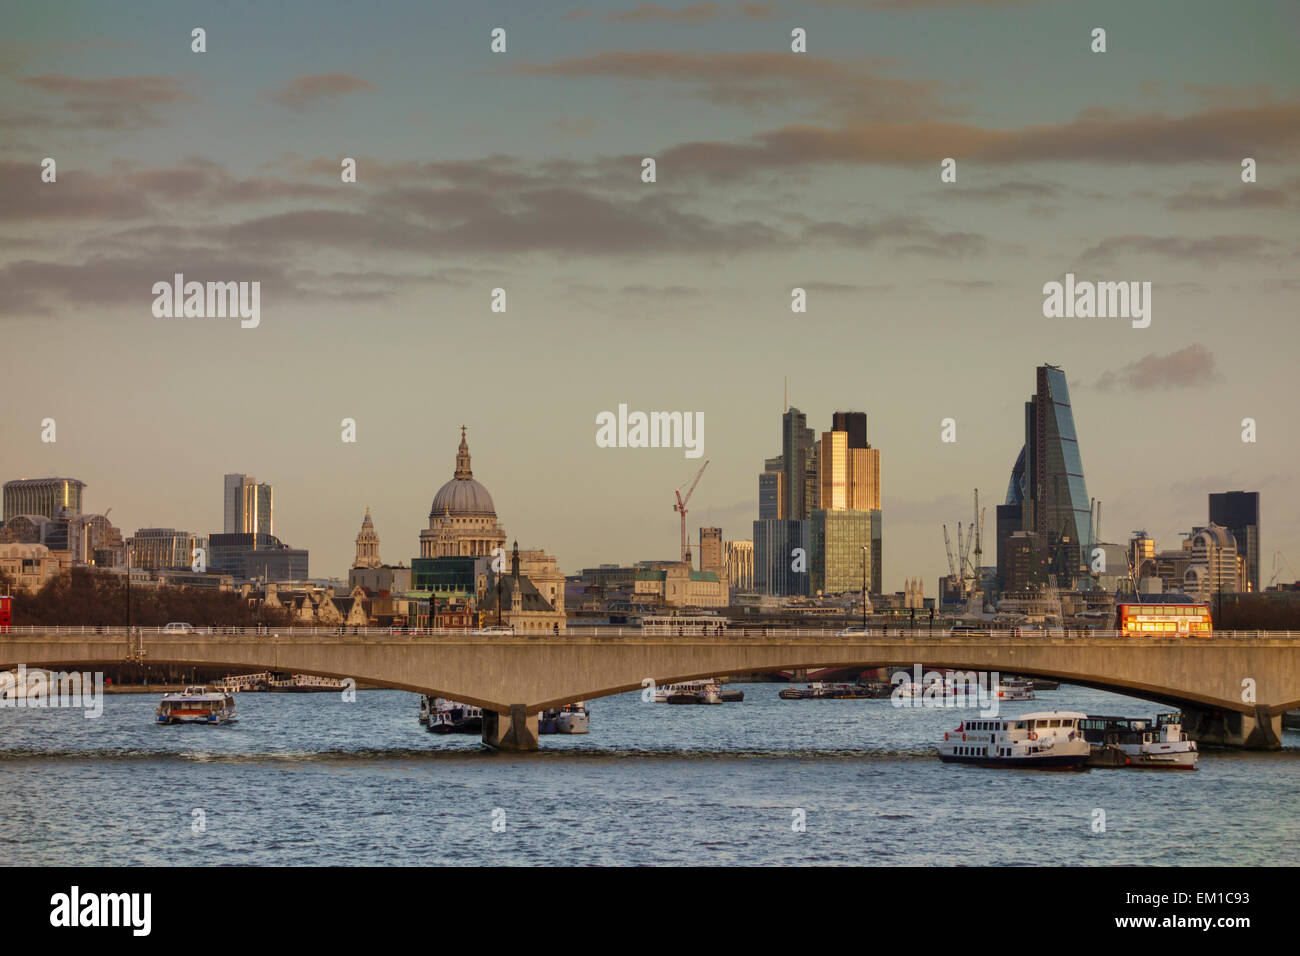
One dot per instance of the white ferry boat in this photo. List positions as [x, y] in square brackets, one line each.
[1138, 743]
[1013, 688]
[1049, 739]
[453, 717]
[573, 719]
[690, 692]
[196, 705]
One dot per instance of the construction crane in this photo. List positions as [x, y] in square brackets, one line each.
[952, 563]
[680, 506]
[1279, 562]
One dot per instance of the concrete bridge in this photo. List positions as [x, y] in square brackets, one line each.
[1232, 687]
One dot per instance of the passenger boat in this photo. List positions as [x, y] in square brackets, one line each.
[1015, 688]
[863, 690]
[452, 717]
[1139, 743]
[1049, 740]
[546, 722]
[196, 705]
[573, 719]
[689, 692]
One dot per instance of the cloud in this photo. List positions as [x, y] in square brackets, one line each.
[1209, 250]
[909, 234]
[1098, 136]
[1186, 368]
[108, 103]
[756, 79]
[1245, 196]
[305, 92]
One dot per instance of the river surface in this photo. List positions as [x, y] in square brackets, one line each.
[314, 779]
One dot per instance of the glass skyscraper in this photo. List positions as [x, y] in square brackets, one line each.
[1238, 511]
[1047, 484]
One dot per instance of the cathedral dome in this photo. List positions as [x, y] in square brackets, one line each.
[462, 495]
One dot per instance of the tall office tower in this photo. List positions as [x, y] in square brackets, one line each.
[834, 471]
[841, 549]
[1008, 523]
[864, 479]
[795, 448]
[711, 556]
[777, 570]
[240, 506]
[771, 490]
[1238, 511]
[264, 509]
[812, 493]
[877, 554]
[1048, 481]
[249, 506]
[42, 496]
[855, 423]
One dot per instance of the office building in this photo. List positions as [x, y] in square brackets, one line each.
[854, 424]
[1047, 483]
[254, 555]
[249, 506]
[841, 549]
[740, 565]
[159, 549]
[1238, 511]
[42, 496]
[781, 566]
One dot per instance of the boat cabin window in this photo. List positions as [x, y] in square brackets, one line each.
[1019, 725]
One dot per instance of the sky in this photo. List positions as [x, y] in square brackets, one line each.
[522, 171]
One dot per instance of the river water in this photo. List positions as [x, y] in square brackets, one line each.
[314, 779]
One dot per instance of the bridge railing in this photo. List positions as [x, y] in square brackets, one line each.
[606, 633]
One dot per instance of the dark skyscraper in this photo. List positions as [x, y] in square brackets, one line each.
[1238, 511]
[855, 423]
[796, 450]
[1047, 483]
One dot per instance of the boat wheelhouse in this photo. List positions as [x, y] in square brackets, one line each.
[690, 692]
[573, 718]
[1140, 743]
[196, 705]
[452, 717]
[1049, 740]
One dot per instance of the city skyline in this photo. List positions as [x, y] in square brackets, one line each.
[776, 171]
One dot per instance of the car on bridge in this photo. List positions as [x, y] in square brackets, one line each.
[496, 630]
[178, 627]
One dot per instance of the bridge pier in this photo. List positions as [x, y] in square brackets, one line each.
[1230, 728]
[515, 731]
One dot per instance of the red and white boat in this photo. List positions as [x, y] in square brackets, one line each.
[196, 705]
